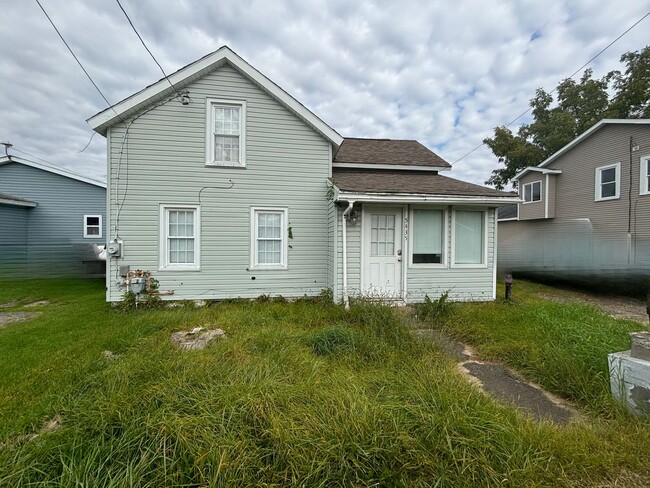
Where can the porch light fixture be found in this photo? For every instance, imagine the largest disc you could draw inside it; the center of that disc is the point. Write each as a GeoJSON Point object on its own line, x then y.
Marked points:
{"type": "Point", "coordinates": [354, 217]}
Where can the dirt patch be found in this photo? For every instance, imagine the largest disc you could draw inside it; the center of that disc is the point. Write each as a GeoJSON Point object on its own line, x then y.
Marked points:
{"type": "Point", "coordinates": [196, 338]}
{"type": "Point", "coordinates": [40, 303]}
{"type": "Point", "coordinates": [48, 426]}
{"type": "Point", "coordinates": [615, 306]}
{"type": "Point", "coordinates": [7, 305]}
{"type": "Point", "coordinates": [7, 318]}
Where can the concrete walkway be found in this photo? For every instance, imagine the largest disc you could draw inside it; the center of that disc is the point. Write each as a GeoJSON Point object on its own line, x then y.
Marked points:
{"type": "Point", "coordinates": [501, 382]}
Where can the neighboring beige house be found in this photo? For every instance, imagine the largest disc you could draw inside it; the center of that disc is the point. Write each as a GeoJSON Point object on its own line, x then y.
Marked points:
{"type": "Point", "coordinates": [585, 211]}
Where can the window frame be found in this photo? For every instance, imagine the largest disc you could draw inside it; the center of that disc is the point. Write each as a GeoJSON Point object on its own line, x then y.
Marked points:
{"type": "Point", "coordinates": [92, 236]}
{"type": "Point", "coordinates": [164, 264]}
{"type": "Point", "coordinates": [445, 238]}
{"type": "Point", "coordinates": [484, 262]}
{"type": "Point", "coordinates": [530, 185]}
{"type": "Point", "coordinates": [211, 105]}
{"type": "Point", "coordinates": [598, 185]}
{"type": "Point", "coordinates": [644, 175]}
{"type": "Point", "coordinates": [254, 264]}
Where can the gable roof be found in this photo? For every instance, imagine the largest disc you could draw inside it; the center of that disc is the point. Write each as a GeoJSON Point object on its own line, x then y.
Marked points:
{"type": "Point", "coordinates": [414, 184]}
{"type": "Point", "coordinates": [51, 169]}
{"type": "Point", "coordinates": [592, 130]}
{"type": "Point", "coordinates": [7, 199]}
{"type": "Point", "coordinates": [198, 69]}
{"type": "Point", "coordinates": [387, 154]}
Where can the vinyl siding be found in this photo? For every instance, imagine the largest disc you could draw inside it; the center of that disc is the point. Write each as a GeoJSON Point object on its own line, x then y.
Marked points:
{"type": "Point", "coordinates": [13, 240]}
{"type": "Point", "coordinates": [587, 237]}
{"type": "Point", "coordinates": [54, 229]}
{"type": "Point", "coordinates": [462, 284]}
{"type": "Point", "coordinates": [163, 162]}
{"type": "Point", "coordinates": [532, 210]}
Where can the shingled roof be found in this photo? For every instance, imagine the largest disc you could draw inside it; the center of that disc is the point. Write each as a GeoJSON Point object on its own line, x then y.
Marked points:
{"type": "Point", "coordinates": [355, 151]}
{"type": "Point", "coordinates": [409, 182]}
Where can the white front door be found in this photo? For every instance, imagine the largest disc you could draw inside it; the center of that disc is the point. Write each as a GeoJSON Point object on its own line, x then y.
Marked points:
{"type": "Point", "coordinates": [382, 252]}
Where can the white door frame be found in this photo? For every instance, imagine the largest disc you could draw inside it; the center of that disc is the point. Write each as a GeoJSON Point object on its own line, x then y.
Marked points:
{"type": "Point", "coordinates": [365, 209]}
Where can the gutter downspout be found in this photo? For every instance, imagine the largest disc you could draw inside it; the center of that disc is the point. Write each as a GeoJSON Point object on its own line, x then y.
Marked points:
{"type": "Point", "coordinates": [346, 299]}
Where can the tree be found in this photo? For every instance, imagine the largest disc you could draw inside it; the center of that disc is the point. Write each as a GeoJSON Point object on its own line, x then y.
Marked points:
{"type": "Point", "coordinates": [579, 106]}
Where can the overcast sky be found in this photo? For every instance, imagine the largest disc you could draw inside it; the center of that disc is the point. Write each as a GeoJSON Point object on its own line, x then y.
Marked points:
{"type": "Point", "coordinates": [442, 72]}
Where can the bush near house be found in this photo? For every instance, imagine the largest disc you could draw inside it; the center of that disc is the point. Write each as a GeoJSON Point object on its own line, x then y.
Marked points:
{"type": "Point", "coordinates": [368, 406]}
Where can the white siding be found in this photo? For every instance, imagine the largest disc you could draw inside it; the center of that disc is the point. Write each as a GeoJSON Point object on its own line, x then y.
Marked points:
{"type": "Point", "coordinates": [163, 162]}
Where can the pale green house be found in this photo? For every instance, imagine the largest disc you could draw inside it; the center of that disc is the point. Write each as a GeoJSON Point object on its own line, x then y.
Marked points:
{"type": "Point", "coordinates": [222, 185]}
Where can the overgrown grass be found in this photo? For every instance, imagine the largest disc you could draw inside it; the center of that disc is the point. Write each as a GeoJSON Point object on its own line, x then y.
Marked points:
{"type": "Point", "coordinates": [563, 346]}
{"type": "Point", "coordinates": [262, 407]}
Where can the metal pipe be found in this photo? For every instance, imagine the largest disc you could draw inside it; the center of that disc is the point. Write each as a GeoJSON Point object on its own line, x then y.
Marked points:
{"type": "Point", "coordinates": [344, 228]}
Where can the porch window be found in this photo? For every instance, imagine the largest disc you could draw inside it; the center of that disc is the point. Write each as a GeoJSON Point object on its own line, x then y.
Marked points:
{"type": "Point", "coordinates": [428, 236]}
{"type": "Point", "coordinates": [469, 237]}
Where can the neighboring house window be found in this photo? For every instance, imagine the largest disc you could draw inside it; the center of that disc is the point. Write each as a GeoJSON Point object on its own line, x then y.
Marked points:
{"type": "Point", "coordinates": [469, 237]}
{"type": "Point", "coordinates": [608, 182]}
{"type": "Point", "coordinates": [428, 236]}
{"type": "Point", "coordinates": [93, 226]}
{"type": "Point", "coordinates": [226, 129]}
{"type": "Point", "coordinates": [179, 236]}
{"type": "Point", "coordinates": [645, 175]}
{"type": "Point", "coordinates": [269, 238]}
{"type": "Point", "coordinates": [533, 192]}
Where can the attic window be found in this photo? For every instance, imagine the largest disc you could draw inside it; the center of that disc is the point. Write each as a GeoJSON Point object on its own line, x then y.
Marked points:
{"type": "Point", "coordinates": [225, 133]}
{"type": "Point", "coordinates": [533, 192]}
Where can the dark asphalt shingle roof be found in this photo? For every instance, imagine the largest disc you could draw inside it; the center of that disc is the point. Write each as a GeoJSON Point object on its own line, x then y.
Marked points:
{"type": "Point", "coordinates": [415, 182]}
{"type": "Point", "coordinates": [388, 151]}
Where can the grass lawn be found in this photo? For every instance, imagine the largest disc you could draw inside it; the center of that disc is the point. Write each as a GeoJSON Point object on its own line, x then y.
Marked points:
{"type": "Point", "coordinates": [303, 393]}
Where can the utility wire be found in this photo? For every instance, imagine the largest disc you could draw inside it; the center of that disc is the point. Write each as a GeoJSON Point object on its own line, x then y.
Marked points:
{"type": "Point", "coordinates": [145, 46]}
{"type": "Point", "coordinates": [40, 159]}
{"type": "Point", "coordinates": [74, 56]}
{"type": "Point", "coordinates": [555, 89]}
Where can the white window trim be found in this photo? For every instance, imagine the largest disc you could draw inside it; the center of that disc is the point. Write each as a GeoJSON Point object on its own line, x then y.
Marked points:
{"type": "Point", "coordinates": [597, 193]}
{"type": "Point", "coordinates": [163, 263]}
{"type": "Point", "coordinates": [285, 237]}
{"type": "Point", "coordinates": [211, 103]}
{"type": "Point", "coordinates": [92, 236]}
{"type": "Point", "coordinates": [523, 192]}
{"type": "Point", "coordinates": [483, 264]}
{"type": "Point", "coordinates": [445, 239]}
{"type": "Point", "coordinates": [644, 188]}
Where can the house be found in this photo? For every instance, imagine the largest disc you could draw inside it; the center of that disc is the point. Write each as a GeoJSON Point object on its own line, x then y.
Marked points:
{"type": "Point", "coordinates": [222, 185]}
{"type": "Point", "coordinates": [585, 211]}
{"type": "Point", "coordinates": [50, 218]}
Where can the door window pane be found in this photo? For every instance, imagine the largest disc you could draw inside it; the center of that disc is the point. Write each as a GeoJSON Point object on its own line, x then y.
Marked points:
{"type": "Point", "coordinates": [382, 234]}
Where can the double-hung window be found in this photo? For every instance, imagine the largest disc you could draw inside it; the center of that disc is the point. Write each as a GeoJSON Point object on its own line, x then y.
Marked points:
{"type": "Point", "coordinates": [93, 226]}
{"type": "Point", "coordinates": [428, 236]}
{"type": "Point", "coordinates": [645, 175]}
{"type": "Point", "coordinates": [269, 238]}
{"type": "Point", "coordinates": [608, 182]}
{"type": "Point", "coordinates": [226, 129]}
{"type": "Point", "coordinates": [180, 237]}
{"type": "Point", "coordinates": [469, 238]}
{"type": "Point", "coordinates": [533, 192]}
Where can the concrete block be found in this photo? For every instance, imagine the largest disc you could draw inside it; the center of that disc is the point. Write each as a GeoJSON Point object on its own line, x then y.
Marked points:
{"type": "Point", "coordinates": [640, 345]}
{"type": "Point", "coordinates": [629, 379]}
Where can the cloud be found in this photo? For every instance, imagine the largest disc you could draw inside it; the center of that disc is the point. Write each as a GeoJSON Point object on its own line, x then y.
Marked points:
{"type": "Point", "coordinates": [443, 73]}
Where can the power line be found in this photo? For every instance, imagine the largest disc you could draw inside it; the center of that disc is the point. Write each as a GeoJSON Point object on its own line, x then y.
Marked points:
{"type": "Point", "coordinates": [145, 46]}
{"type": "Point", "coordinates": [555, 89]}
{"type": "Point", "coordinates": [73, 55]}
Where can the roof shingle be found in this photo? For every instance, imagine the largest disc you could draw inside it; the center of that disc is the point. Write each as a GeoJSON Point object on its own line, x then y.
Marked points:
{"type": "Point", "coordinates": [388, 151]}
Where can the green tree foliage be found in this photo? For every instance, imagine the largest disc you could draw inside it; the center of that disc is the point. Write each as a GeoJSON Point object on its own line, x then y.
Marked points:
{"type": "Point", "coordinates": [578, 106]}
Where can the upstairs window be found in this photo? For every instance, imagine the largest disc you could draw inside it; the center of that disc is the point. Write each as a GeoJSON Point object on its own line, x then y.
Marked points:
{"type": "Point", "coordinates": [93, 226]}
{"type": "Point", "coordinates": [533, 192]}
{"type": "Point", "coordinates": [226, 133]}
{"type": "Point", "coordinates": [428, 236]}
{"type": "Point", "coordinates": [645, 175]}
{"type": "Point", "coordinates": [269, 238]}
{"type": "Point", "coordinates": [608, 182]}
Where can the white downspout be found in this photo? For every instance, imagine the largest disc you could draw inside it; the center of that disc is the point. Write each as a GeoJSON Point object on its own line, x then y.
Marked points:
{"type": "Point", "coordinates": [346, 299]}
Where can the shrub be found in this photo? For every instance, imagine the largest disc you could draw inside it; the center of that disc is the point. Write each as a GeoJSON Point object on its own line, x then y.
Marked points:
{"type": "Point", "coordinates": [436, 312]}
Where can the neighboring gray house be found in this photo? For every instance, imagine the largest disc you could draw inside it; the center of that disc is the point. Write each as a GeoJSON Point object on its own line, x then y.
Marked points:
{"type": "Point", "coordinates": [585, 213]}
{"type": "Point", "coordinates": [49, 220]}
{"type": "Point", "coordinates": [223, 186]}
